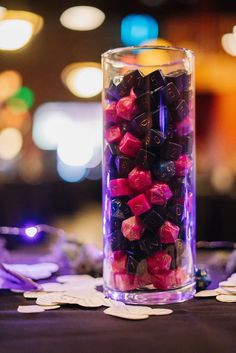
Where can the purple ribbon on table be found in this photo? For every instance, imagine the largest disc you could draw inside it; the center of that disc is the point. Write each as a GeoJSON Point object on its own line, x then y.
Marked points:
{"type": "Point", "coordinates": [10, 279]}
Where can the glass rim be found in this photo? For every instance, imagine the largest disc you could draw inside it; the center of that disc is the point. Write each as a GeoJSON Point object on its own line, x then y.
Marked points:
{"type": "Point", "coordinates": [107, 54]}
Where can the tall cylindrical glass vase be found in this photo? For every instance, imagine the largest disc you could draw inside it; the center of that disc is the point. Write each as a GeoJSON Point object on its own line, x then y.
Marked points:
{"type": "Point", "coordinates": [149, 174]}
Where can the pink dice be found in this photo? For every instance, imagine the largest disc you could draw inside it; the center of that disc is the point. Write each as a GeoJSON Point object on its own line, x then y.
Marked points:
{"type": "Point", "coordinates": [119, 187]}
{"type": "Point", "coordinates": [132, 228]}
{"type": "Point", "coordinates": [139, 180]}
{"type": "Point", "coordinates": [126, 108]}
{"type": "Point", "coordinates": [110, 113]}
{"type": "Point", "coordinates": [125, 282]}
{"type": "Point", "coordinates": [118, 262]}
{"type": "Point", "coordinates": [139, 204]}
{"type": "Point", "coordinates": [170, 279]}
{"type": "Point", "coordinates": [130, 145]}
{"type": "Point", "coordinates": [159, 262]}
{"type": "Point", "coordinates": [182, 165]}
{"type": "Point", "coordinates": [113, 134]}
{"type": "Point", "coordinates": [168, 232]}
{"type": "Point", "coordinates": [144, 279]}
{"type": "Point", "coordinates": [184, 127]}
{"type": "Point", "coordinates": [159, 194]}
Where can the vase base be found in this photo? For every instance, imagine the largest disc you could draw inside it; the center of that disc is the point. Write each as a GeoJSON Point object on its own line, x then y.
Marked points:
{"type": "Point", "coordinates": [153, 297]}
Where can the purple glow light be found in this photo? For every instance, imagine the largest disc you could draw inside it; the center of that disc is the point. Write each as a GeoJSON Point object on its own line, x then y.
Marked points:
{"type": "Point", "coordinates": [31, 232]}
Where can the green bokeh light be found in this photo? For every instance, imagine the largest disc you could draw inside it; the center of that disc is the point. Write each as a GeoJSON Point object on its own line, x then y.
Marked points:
{"type": "Point", "coordinates": [22, 100]}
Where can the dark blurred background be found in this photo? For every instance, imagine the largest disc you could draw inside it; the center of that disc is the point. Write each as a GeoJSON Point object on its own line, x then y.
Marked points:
{"type": "Point", "coordinates": [46, 178]}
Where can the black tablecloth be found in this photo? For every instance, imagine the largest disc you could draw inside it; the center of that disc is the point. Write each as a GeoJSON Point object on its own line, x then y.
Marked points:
{"type": "Point", "coordinates": [196, 326]}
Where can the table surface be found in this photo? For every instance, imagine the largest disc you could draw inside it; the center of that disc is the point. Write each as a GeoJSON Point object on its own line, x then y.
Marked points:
{"type": "Point", "coordinates": [196, 326]}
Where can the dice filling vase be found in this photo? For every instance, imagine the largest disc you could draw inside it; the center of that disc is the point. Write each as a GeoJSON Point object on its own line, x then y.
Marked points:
{"type": "Point", "coordinates": [149, 175]}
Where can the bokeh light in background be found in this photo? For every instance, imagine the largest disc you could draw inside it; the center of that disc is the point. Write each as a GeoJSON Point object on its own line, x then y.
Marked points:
{"type": "Point", "coordinates": [82, 18]}
{"type": "Point", "coordinates": [2, 12]}
{"type": "Point", "coordinates": [137, 28]}
{"type": "Point", "coordinates": [83, 79]}
{"type": "Point", "coordinates": [11, 142]}
{"type": "Point", "coordinates": [70, 173]}
{"type": "Point", "coordinates": [48, 126]}
{"type": "Point", "coordinates": [14, 34]}
{"type": "Point", "coordinates": [153, 57]}
{"type": "Point", "coordinates": [75, 131]}
{"type": "Point", "coordinates": [21, 101]}
{"type": "Point", "coordinates": [17, 28]}
{"type": "Point", "coordinates": [10, 82]}
{"type": "Point", "coordinates": [228, 41]}
{"type": "Point", "coordinates": [75, 147]}
{"type": "Point", "coordinates": [222, 179]}
{"type": "Point", "coordinates": [31, 168]}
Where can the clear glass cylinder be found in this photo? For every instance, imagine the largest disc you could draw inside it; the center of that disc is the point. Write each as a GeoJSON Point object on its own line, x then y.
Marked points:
{"type": "Point", "coordinates": [149, 174]}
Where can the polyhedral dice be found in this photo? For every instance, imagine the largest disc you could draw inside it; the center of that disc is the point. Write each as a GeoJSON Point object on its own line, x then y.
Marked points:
{"type": "Point", "coordinates": [168, 233]}
{"type": "Point", "coordinates": [187, 144]}
{"type": "Point", "coordinates": [144, 280]}
{"type": "Point", "coordinates": [139, 179]}
{"type": "Point", "coordinates": [141, 124]}
{"type": "Point", "coordinates": [171, 93]}
{"type": "Point", "coordinates": [120, 209]}
{"type": "Point", "coordinates": [187, 96]}
{"type": "Point", "coordinates": [151, 81]}
{"type": "Point", "coordinates": [126, 108]}
{"type": "Point", "coordinates": [124, 166]}
{"type": "Point", "coordinates": [144, 159]}
{"type": "Point", "coordinates": [130, 79]}
{"type": "Point", "coordinates": [164, 171]}
{"type": "Point", "coordinates": [146, 103]}
{"type": "Point", "coordinates": [180, 78]}
{"type": "Point", "coordinates": [130, 145]}
{"type": "Point", "coordinates": [154, 138]}
{"type": "Point", "coordinates": [182, 165]}
{"type": "Point", "coordinates": [203, 279]}
{"type": "Point", "coordinates": [113, 134]}
{"type": "Point", "coordinates": [176, 212]}
{"type": "Point", "coordinates": [110, 113]}
{"type": "Point", "coordinates": [159, 193]}
{"type": "Point", "coordinates": [149, 245]}
{"type": "Point", "coordinates": [170, 279]}
{"type": "Point", "coordinates": [184, 127]}
{"type": "Point", "coordinates": [132, 265]}
{"type": "Point", "coordinates": [118, 261]}
{"type": "Point", "coordinates": [171, 151]}
{"type": "Point", "coordinates": [180, 250]}
{"type": "Point", "coordinates": [179, 110]}
{"type": "Point", "coordinates": [139, 204]}
{"type": "Point", "coordinates": [117, 89]}
{"type": "Point", "coordinates": [119, 187]}
{"type": "Point", "coordinates": [117, 241]}
{"type": "Point", "coordinates": [152, 220]}
{"type": "Point", "coordinates": [115, 223]}
{"type": "Point", "coordinates": [125, 282]}
{"type": "Point", "coordinates": [178, 187]}
{"type": "Point", "coordinates": [143, 276]}
{"type": "Point", "coordinates": [170, 250]}
{"type": "Point", "coordinates": [132, 228]}
{"type": "Point", "coordinates": [156, 79]}
{"type": "Point", "coordinates": [159, 262]}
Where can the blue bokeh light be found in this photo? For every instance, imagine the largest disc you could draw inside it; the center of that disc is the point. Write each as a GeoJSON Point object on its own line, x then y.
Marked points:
{"type": "Point", "coordinates": [69, 173]}
{"type": "Point", "coordinates": [136, 29]}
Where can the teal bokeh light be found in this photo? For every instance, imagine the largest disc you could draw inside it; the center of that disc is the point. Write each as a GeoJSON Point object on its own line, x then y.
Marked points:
{"type": "Point", "coordinates": [136, 29]}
